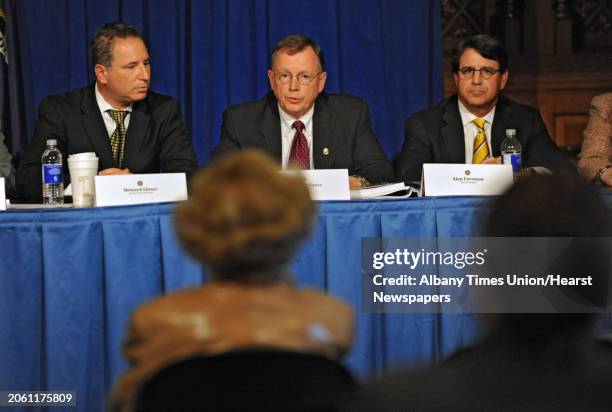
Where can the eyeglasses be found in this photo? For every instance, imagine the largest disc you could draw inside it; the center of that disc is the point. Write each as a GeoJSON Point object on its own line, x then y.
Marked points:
{"type": "Point", "coordinates": [485, 72]}
{"type": "Point", "coordinates": [303, 78]}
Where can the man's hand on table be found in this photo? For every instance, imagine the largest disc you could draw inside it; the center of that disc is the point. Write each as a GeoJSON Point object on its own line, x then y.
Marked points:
{"type": "Point", "coordinates": [492, 161]}
{"type": "Point", "coordinates": [114, 171]}
{"type": "Point", "coordinates": [354, 183]}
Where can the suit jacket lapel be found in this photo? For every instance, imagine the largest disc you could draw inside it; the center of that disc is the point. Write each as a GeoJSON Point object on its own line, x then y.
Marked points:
{"type": "Point", "coordinates": [92, 122]}
{"type": "Point", "coordinates": [500, 124]}
{"type": "Point", "coordinates": [324, 144]}
{"type": "Point", "coordinates": [136, 132]}
{"type": "Point", "coordinates": [452, 132]}
{"type": "Point", "coordinates": [270, 128]}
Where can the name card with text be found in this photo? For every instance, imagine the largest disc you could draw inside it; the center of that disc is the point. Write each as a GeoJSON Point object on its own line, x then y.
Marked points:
{"type": "Point", "coordinates": [121, 190]}
{"type": "Point", "coordinates": [444, 179]}
{"type": "Point", "coordinates": [2, 195]}
{"type": "Point", "coordinates": [325, 184]}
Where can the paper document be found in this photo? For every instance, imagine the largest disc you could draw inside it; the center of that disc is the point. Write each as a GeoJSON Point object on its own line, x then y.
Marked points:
{"type": "Point", "coordinates": [33, 206]}
{"type": "Point", "coordinates": [386, 191]}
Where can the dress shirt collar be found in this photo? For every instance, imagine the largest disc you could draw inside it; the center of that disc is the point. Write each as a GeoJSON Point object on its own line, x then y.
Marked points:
{"type": "Point", "coordinates": [467, 117]}
{"type": "Point", "coordinates": [104, 105]}
{"type": "Point", "coordinates": [288, 120]}
{"type": "Point", "coordinates": [109, 123]}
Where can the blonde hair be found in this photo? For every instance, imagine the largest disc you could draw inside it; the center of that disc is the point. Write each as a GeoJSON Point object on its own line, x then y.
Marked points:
{"type": "Point", "coordinates": [244, 217]}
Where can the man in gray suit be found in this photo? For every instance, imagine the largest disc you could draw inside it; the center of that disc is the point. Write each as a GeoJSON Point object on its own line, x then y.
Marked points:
{"type": "Point", "coordinates": [6, 167]}
{"type": "Point", "coordinates": [303, 127]}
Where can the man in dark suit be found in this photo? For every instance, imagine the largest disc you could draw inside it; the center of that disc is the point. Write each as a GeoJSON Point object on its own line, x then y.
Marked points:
{"type": "Point", "coordinates": [302, 127]}
{"type": "Point", "coordinates": [131, 129]}
{"type": "Point", "coordinates": [469, 127]}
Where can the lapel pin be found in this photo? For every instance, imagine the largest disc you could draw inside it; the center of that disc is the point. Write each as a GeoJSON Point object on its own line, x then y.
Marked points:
{"type": "Point", "coordinates": [325, 151]}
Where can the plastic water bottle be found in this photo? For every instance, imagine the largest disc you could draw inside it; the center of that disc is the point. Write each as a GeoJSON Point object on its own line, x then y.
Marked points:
{"type": "Point", "coordinates": [52, 185]}
{"type": "Point", "coordinates": [511, 151]}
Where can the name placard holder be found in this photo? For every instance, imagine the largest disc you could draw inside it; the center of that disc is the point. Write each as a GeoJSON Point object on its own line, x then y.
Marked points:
{"type": "Point", "coordinates": [325, 184]}
{"type": "Point", "coordinates": [446, 179]}
{"type": "Point", "coordinates": [119, 190]}
{"type": "Point", "coordinates": [2, 195]}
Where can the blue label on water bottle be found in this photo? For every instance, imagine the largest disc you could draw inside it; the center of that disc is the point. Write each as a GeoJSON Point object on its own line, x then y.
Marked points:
{"type": "Point", "coordinates": [52, 174]}
{"type": "Point", "coordinates": [513, 159]}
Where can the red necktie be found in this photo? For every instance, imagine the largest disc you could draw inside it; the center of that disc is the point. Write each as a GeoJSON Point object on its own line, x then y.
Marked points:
{"type": "Point", "coordinates": [299, 156]}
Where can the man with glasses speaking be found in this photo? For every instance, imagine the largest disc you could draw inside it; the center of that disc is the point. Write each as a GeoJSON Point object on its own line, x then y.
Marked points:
{"type": "Point", "coordinates": [470, 126]}
{"type": "Point", "coordinates": [303, 127]}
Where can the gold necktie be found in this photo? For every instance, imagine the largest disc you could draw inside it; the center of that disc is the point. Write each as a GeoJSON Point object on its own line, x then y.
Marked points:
{"type": "Point", "coordinates": [118, 136]}
{"type": "Point", "coordinates": [481, 148]}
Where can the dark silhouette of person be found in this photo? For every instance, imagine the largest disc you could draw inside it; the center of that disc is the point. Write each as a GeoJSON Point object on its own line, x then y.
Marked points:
{"type": "Point", "coordinates": [524, 362]}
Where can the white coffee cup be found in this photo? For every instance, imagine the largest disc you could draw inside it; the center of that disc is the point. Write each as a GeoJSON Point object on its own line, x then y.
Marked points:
{"type": "Point", "coordinates": [83, 156]}
{"type": "Point", "coordinates": [83, 169]}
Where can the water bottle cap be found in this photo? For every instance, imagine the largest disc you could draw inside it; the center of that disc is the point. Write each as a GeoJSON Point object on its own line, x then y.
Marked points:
{"type": "Point", "coordinates": [510, 132]}
{"type": "Point", "coordinates": [51, 142]}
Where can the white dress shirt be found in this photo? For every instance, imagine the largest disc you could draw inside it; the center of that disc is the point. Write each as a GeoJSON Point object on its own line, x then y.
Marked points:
{"type": "Point", "coordinates": [287, 133]}
{"type": "Point", "coordinates": [110, 124]}
{"type": "Point", "coordinates": [470, 130]}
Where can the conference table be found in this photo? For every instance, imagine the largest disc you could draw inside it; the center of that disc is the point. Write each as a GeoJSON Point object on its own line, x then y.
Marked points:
{"type": "Point", "coordinates": [70, 279]}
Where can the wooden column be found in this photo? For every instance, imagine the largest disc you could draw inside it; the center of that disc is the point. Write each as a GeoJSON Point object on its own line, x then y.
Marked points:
{"type": "Point", "coordinates": [510, 15]}
{"type": "Point", "coordinates": [564, 42]}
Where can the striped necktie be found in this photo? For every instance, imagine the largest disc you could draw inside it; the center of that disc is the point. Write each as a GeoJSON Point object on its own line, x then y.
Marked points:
{"type": "Point", "coordinates": [481, 148]}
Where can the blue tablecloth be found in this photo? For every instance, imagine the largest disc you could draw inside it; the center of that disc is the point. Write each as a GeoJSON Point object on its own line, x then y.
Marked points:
{"type": "Point", "coordinates": [69, 280]}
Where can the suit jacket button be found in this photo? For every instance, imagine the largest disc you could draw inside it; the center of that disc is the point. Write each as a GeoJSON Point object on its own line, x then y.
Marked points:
{"type": "Point", "coordinates": [325, 151]}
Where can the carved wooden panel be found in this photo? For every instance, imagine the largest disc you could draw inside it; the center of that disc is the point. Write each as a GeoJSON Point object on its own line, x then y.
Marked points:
{"type": "Point", "coordinates": [569, 128]}
{"type": "Point", "coordinates": [593, 19]}
{"type": "Point", "coordinates": [565, 113]}
{"type": "Point", "coordinates": [560, 54]}
{"type": "Point", "coordinates": [461, 18]}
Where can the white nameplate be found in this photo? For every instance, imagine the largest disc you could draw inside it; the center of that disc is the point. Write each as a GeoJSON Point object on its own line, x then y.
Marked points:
{"type": "Point", "coordinates": [120, 190]}
{"type": "Point", "coordinates": [325, 184]}
{"type": "Point", "coordinates": [444, 179]}
{"type": "Point", "coordinates": [2, 195]}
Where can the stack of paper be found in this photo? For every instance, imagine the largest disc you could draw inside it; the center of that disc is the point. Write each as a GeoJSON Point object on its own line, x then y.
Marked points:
{"type": "Point", "coordinates": [386, 191]}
